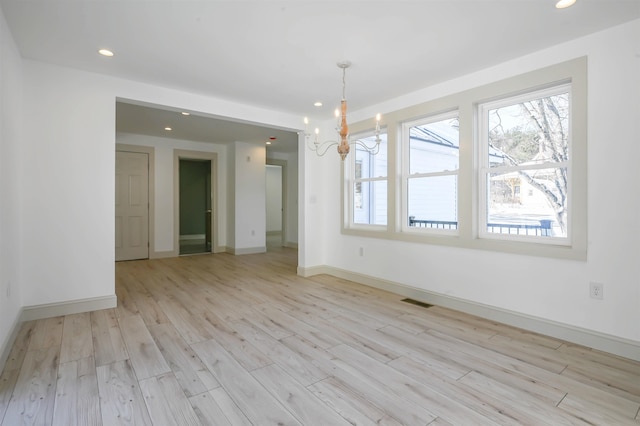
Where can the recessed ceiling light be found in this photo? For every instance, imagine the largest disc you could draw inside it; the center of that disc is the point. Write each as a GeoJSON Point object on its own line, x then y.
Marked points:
{"type": "Point", "coordinates": [317, 104]}
{"type": "Point", "coordinates": [268, 143]}
{"type": "Point", "coordinates": [561, 4]}
{"type": "Point", "coordinates": [168, 129]}
{"type": "Point", "coordinates": [105, 52]}
{"type": "Point", "coordinates": [185, 113]}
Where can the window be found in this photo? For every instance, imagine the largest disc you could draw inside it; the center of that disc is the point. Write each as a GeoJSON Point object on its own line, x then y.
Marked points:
{"type": "Point", "coordinates": [369, 182]}
{"type": "Point", "coordinates": [430, 173]}
{"type": "Point", "coordinates": [525, 166]}
{"type": "Point", "coordinates": [500, 167]}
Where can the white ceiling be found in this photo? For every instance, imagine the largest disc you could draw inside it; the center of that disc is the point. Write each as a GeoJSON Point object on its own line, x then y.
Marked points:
{"type": "Point", "coordinates": [151, 120]}
{"type": "Point", "coordinates": [282, 54]}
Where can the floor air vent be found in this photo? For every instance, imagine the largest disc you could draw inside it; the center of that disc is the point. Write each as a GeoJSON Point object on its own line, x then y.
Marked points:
{"type": "Point", "coordinates": [417, 303]}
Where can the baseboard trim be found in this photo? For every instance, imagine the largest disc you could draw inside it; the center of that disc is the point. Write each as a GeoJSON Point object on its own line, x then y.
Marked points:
{"type": "Point", "coordinates": [593, 339]}
{"type": "Point", "coordinates": [162, 254]}
{"type": "Point", "coordinates": [7, 345]}
{"type": "Point", "coordinates": [316, 270]}
{"type": "Point", "coordinates": [48, 310]}
{"type": "Point", "coordinates": [291, 244]}
{"type": "Point", "coordinates": [248, 250]}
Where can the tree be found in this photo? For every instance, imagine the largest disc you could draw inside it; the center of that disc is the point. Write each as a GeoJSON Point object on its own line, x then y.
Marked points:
{"type": "Point", "coordinates": [533, 133]}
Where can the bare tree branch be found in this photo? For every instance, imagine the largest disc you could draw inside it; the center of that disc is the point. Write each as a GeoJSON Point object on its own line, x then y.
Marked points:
{"type": "Point", "coordinates": [549, 120]}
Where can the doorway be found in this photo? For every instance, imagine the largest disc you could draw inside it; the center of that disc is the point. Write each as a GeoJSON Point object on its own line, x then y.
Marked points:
{"type": "Point", "coordinates": [203, 237]}
{"type": "Point", "coordinates": [195, 206]}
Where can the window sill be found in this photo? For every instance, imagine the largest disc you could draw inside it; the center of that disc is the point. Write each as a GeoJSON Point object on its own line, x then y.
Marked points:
{"type": "Point", "coordinates": [537, 249]}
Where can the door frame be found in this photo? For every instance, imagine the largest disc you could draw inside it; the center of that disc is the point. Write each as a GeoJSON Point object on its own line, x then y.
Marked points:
{"type": "Point", "coordinates": [285, 205]}
{"type": "Point", "coordinates": [150, 151]}
{"type": "Point", "coordinates": [212, 157]}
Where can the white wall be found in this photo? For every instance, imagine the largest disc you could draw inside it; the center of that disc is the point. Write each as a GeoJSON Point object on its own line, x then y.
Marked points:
{"type": "Point", "coordinates": [274, 194]}
{"type": "Point", "coordinates": [319, 190]}
{"type": "Point", "coordinates": [10, 179]}
{"type": "Point", "coordinates": [291, 196]}
{"type": "Point", "coordinates": [68, 209]}
{"type": "Point", "coordinates": [163, 188]}
{"type": "Point", "coordinates": [545, 288]}
{"type": "Point", "coordinates": [250, 218]}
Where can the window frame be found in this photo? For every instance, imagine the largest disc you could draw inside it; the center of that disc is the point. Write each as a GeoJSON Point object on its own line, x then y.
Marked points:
{"type": "Point", "coordinates": [351, 180]}
{"type": "Point", "coordinates": [405, 172]}
{"type": "Point", "coordinates": [484, 169]}
{"type": "Point", "coordinates": [573, 71]}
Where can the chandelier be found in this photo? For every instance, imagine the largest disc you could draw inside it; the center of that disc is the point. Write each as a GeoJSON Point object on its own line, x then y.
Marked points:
{"type": "Point", "coordinates": [344, 146]}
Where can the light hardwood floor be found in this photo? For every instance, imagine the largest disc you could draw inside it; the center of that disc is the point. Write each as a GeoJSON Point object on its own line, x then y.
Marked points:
{"type": "Point", "coordinates": [241, 340]}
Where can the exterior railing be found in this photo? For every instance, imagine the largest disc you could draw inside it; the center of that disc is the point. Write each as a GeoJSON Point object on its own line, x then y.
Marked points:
{"type": "Point", "coordinates": [436, 224]}
{"type": "Point", "coordinates": [543, 229]}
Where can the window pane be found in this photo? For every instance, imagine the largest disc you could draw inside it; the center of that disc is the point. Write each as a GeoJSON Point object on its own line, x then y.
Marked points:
{"type": "Point", "coordinates": [528, 202]}
{"type": "Point", "coordinates": [370, 203]}
{"type": "Point", "coordinates": [432, 202]}
{"type": "Point", "coordinates": [370, 165]}
{"type": "Point", "coordinates": [531, 132]}
{"type": "Point", "coordinates": [434, 147]}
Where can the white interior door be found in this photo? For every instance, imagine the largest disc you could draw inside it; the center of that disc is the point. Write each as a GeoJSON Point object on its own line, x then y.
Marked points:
{"type": "Point", "coordinates": [132, 205]}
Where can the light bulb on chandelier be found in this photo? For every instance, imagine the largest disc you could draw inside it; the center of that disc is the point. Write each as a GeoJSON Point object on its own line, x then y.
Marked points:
{"type": "Point", "coordinates": [344, 145]}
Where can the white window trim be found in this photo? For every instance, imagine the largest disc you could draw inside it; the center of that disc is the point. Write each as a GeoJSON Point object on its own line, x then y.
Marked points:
{"type": "Point", "coordinates": [485, 169]}
{"type": "Point", "coordinates": [405, 175]}
{"type": "Point", "coordinates": [466, 102]}
{"type": "Point", "coordinates": [350, 181]}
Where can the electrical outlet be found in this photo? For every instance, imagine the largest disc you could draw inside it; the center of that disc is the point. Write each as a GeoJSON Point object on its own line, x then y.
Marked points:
{"type": "Point", "coordinates": [596, 290]}
{"type": "Point", "coordinates": [361, 251]}
{"type": "Point", "coordinates": [8, 289]}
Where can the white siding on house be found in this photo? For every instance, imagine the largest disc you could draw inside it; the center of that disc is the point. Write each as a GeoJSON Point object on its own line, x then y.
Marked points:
{"type": "Point", "coordinates": [433, 148]}
{"type": "Point", "coordinates": [433, 198]}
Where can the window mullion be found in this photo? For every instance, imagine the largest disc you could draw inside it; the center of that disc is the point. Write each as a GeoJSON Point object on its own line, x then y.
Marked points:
{"type": "Point", "coordinates": [375, 179]}
{"type": "Point", "coordinates": [433, 174]}
{"type": "Point", "coordinates": [540, 166]}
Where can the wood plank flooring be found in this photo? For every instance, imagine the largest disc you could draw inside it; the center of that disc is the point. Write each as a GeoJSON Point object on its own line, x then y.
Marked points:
{"type": "Point", "coordinates": [241, 340]}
